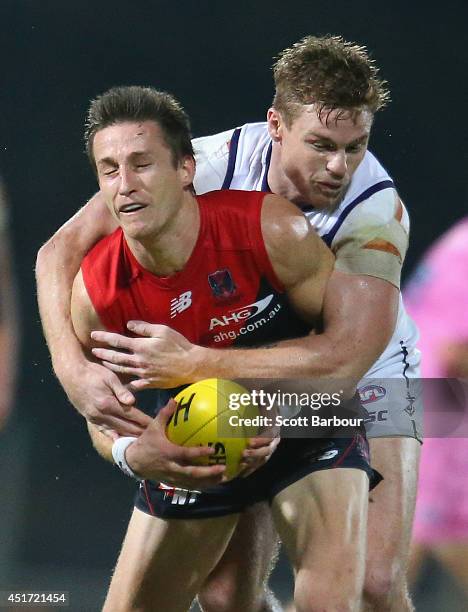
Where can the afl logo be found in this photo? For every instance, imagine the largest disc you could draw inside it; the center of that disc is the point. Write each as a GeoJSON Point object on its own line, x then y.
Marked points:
{"type": "Point", "coordinates": [371, 393]}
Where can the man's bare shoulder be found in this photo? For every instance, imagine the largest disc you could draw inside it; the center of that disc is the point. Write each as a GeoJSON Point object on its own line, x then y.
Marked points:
{"type": "Point", "coordinates": [293, 246]}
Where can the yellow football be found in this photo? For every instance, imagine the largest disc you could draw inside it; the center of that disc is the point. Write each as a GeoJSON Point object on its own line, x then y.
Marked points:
{"type": "Point", "coordinates": [203, 418]}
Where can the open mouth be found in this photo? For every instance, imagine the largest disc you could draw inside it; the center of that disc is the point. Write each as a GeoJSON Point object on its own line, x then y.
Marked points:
{"type": "Point", "coordinates": [130, 208]}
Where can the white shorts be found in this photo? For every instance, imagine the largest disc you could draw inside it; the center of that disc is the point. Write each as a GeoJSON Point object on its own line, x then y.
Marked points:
{"type": "Point", "coordinates": [391, 392]}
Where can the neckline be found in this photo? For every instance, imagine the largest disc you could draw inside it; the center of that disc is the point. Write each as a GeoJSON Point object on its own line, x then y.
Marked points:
{"type": "Point", "coordinates": [178, 278]}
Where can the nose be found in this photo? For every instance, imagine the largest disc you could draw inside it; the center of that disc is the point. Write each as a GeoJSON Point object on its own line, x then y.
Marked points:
{"type": "Point", "coordinates": [337, 163]}
{"type": "Point", "coordinates": [127, 184]}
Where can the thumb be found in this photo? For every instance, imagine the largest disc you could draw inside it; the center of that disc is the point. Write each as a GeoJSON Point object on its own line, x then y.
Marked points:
{"type": "Point", "coordinates": [124, 395]}
{"type": "Point", "coordinates": [166, 413]}
{"type": "Point", "coordinates": [141, 328]}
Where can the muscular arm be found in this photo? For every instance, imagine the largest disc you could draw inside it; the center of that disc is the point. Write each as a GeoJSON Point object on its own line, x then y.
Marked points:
{"type": "Point", "coordinates": [103, 399]}
{"type": "Point", "coordinates": [359, 313]}
{"type": "Point", "coordinates": [58, 262]}
{"type": "Point", "coordinates": [359, 318]}
{"type": "Point", "coordinates": [152, 455]}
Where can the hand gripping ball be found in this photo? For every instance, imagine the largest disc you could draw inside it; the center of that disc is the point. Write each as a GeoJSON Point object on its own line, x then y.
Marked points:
{"type": "Point", "coordinates": [203, 418]}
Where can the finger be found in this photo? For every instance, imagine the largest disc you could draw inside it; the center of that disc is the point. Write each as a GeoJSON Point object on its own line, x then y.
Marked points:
{"type": "Point", "coordinates": [165, 414]}
{"type": "Point", "coordinates": [121, 369]}
{"type": "Point", "coordinates": [121, 426]}
{"type": "Point", "coordinates": [203, 471]}
{"type": "Point", "coordinates": [126, 359]}
{"type": "Point", "coordinates": [257, 453]}
{"type": "Point", "coordinates": [121, 392]}
{"type": "Point", "coordinates": [194, 476]}
{"type": "Point", "coordinates": [263, 441]}
{"type": "Point", "coordinates": [200, 477]}
{"type": "Point", "coordinates": [135, 415]}
{"type": "Point", "coordinates": [187, 454]}
{"type": "Point", "coordinates": [259, 442]}
{"type": "Point", "coordinates": [142, 328]}
{"type": "Point", "coordinates": [115, 340]}
{"type": "Point", "coordinates": [141, 383]}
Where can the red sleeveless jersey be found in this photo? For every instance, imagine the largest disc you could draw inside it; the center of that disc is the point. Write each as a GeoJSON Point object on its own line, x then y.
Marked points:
{"type": "Point", "coordinates": [227, 293]}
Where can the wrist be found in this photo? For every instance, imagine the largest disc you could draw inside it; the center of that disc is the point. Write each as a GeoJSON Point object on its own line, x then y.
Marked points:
{"type": "Point", "coordinates": [205, 363]}
{"type": "Point", "coordinates": [132, 458]}
{"type": "Point", "coordinates": [122, 455]}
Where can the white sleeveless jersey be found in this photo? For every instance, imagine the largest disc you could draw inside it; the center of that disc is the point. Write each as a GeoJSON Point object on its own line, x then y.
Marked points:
{"type": "Point", "coordinates": [240, 158]}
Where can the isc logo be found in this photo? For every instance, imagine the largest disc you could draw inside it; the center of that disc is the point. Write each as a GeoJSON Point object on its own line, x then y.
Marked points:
{"type": "Point", "coordinates": [376, 416]}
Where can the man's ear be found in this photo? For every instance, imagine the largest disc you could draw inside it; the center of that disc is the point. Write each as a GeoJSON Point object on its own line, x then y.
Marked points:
{"type": "Point", "coordinates": [187, 170]}
{"type": "Point", "coordinates": [275, 124]}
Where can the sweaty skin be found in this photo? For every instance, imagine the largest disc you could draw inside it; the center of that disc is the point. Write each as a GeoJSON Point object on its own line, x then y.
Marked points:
{"type": "Point", "coordinates": [328, 156]}
{"type": "Point", "coordinates": [346, 351]}
{"type": "Point", "coordinates": [155, 207]}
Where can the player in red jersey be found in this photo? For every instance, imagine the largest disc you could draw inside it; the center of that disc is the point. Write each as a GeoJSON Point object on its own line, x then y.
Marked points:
{"type": "Point", "coordinates": [177, 257]}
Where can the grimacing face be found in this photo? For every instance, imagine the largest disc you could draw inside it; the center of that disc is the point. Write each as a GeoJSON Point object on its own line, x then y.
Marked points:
{"type": "Point", "coordinates": [319, 154]}
{"type": "Point", "coordinates": [142, 188]}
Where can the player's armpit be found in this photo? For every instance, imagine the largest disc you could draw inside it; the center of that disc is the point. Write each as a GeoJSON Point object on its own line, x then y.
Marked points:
{"type": "Point", "coordinates": [300, 259]}
{"type": "Point", "coordinates": [84, 316]}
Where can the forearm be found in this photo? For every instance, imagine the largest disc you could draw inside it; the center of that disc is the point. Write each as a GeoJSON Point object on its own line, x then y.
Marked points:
{"type": "Point", "coordinates": [101, 442]}
{"type": "Point", "coordinates": [56, 267]}
{"type": "Point", "coordinates": [58, 262]}
{"type": "Point", "coordinates": [352, 340]}
{"type": "Point", "coordinates": [311, 357]}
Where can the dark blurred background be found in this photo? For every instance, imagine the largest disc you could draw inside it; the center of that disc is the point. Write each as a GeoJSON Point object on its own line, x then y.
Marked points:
{"type": "Point", "coordinates": [64, 510]}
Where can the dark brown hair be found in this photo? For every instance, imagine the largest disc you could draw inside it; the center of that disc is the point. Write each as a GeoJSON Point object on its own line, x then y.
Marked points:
{"type": "Point", "coordinates": [135, 103]}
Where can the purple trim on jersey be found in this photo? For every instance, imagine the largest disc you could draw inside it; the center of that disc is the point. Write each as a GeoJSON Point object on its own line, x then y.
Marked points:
{"type": "Point", "coordinates": [328, 238]}
{"type": "Point", "coordinates": [232, 158]}
{"type": "Point", "coordinates": [265, 185]}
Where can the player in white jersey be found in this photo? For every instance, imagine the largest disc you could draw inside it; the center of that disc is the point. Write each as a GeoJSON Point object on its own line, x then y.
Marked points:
{"type": "Point", "coordinates": [241, 158]}
{"type": "Point", "coordinates": [313, 151]}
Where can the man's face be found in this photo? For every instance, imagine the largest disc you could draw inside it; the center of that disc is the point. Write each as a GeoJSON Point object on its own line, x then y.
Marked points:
{"type": "Point", "coordinates": [319, 154]}
{"type": "Point", "coordinates": [142, 188]}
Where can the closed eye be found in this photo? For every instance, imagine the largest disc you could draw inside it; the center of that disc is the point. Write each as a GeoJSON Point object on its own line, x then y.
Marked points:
{"type": "Point", "coordinates": [322, 146]}
{"type": "Point", "coordinates": [355, 148]}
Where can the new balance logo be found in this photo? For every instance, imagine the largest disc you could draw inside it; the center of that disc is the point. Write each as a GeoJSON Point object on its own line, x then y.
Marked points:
{"type": "Point", "coordinates": [181, 303]}
{"type": "Point", "coordinates": [328, 455]}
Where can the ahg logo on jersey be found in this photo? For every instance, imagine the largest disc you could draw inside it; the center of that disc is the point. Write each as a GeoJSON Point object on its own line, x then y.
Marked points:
{"type": "Point", "coordinates": [181, 303]}
{"type": "Point", "coordinates": [241, 314]}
